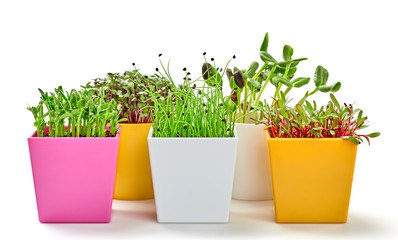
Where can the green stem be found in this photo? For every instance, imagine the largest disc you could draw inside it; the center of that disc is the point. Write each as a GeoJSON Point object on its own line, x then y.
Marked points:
{"type": "Point", "coordinates": [277, 95]}
{"type": "Point", "coordinates": [265, 84]}
{"type": "Point", "coordinates": [244, 103]}
{"type": "Point", "coordinates": [287, 90]}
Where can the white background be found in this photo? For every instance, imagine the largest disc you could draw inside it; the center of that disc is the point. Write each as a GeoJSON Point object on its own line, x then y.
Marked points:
{"type": "Point", "coordinates": [49, 43]}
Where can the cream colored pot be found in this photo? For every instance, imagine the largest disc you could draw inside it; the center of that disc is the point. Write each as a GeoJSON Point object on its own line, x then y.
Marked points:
{"type": "Point", "coordinates": [252, 180]}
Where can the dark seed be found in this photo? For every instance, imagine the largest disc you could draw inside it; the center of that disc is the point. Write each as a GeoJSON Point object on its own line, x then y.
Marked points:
{"type": "Point", "coordinates": [158, 130]}
{"type": "Point", "coordinates": [220, 69]}
{"type": "Point", "coordinates": [188, 73]}
{"type": "Point", "coordinates": [157, 69]}
{"type": "Point", "coordinates": [182, 114]}
{"type": "Point", "coordinates": [234, 97]}
{"type": "Point", "coordinates": [184, 69]}
{"type": "Point", "coordinates": [233, 56]}
{"type": "Point", "coordinates": [160, 54]}
{"type": "Point", "coordinates": [206, 71]}
{"type": "Point", "coordinates": [200, 92]}
{"type": "Point", "coordinates": [133, 64]}
{"type": "Point", "coordinates": [145, 76]}
{"type": "Point", "coordinates": [229, 74]}
{"type": "Point", "coordinates": [185, 127]}
{"type": "Point", "coordinates": [221, 104]}
{"type": "Point", "coordinates": [262, 75]}
{"type": "Point", "coordinates": [204, 53]}
{"type": "Point", "coordinates": [212, 59]}
{"type": "Point", "coordinates": [235, 88]}
{"type": "Point", "coordinates": [239, 79]}
{"type": "Point", "coordinates": [204, 104]}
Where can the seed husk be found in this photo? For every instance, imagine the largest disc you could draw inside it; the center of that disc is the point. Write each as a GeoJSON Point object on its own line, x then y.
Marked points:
{"type": "Point", "coordinates": [239, 79]}
{"type": "Point", "coordinates": [206, 71]}
{"type": "Point", "coordinates": [234, 97]}
{"type": "Point", "coordinates": [229, 74]}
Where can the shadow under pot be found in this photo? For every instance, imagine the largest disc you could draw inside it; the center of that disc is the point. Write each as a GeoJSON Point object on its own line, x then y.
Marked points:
{"type": "Point", "coordinates": [192, 178]}
{"type": "Point", "coordinates": [73, 177]}
{"type": "Point", "coordinates": [311, 179]}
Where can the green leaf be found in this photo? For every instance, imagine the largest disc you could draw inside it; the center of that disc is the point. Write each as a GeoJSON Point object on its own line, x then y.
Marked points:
{"type": "Point", "coordinates": [336, 87]}
{"type": "Point", "coordinates": [360, 114]}
{"type": "Point", "coordinates": [287, 53]}
{"type": "Point", "coordinates": [325, 88]}
{"type": "Point", "coordinates": [331, 88]}
{"type": "Point", "coordinates": [264, 45]}
{"type": "Point", "coordinates": [266, 57]}
{"type": "Point", "coordinates": [274, 81]}
{"type": "Point", "coordinates": [283, 81]}
{"type": "Point", "coordinates": [296, 61]}
{"type": "Point", "coordinates": [281, 70]}
{"type": "Point", "coordinates": [299, 82]}
{"type": "Point", "coordinates": [321, 76]}
{"type": "Point", "coordinates": [251, 71]}
{"type": "Point", "coordinates": [351, 139]}
{"type": "Point", "coordinates": [253, 84]}
{"type": "Point", "coordinates": [334, 100]}
{"type": "Point", "coordinates": [283, 98]}
{"type": "Point", "coordinates": [373, 135]}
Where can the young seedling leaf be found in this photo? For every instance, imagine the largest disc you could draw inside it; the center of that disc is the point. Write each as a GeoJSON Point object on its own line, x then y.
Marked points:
{"type": "Point", "coordinates": [266, 57]}
{"type": "Point", "coordinates": [264, 45]}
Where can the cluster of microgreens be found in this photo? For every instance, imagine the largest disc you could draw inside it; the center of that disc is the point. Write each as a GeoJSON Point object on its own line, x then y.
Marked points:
{"type": "Point", "coordinates": [198, 108]}
{"type": "Point", "coordinates": [195, 108]}
{"type": "Point", "coordinates": [127, 90]}
{"type": "Point", "coordinates": [302, 121]}
{"type": "Point", "coordinates": [307, 121]}
{"type": "Point", "coordinates": [86, 115]}
{"type": "Point", "coordinates": [253, 81]}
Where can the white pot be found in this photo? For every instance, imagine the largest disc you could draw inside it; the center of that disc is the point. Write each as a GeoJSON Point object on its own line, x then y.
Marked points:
{"type": "Point", "coordinates": [252, 179]}
{"type": "Point", "coordinates": [192, 178]}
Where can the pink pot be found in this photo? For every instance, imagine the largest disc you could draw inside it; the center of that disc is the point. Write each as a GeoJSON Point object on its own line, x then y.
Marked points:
{"type": "Point", "coordinates": [74, 178]}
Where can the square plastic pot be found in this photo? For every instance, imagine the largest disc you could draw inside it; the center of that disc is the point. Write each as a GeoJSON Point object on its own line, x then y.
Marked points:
{"type": "Point", "coordinates": [252, 179]}
{"type": "Point", "coordinates": [73, 178]}
{"type": "Point", "coordinates": [133, 170]}
{"type": "Point", "coordinates": [311, 179]}
{"type": "Point", "coordinates": [192, 178]}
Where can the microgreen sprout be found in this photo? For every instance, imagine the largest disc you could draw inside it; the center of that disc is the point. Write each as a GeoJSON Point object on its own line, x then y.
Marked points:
{"type": "Point", "coordinates": [305, 120]}
{"type": "Point", "coordinates": [127, 90]}
{"type": "Point", "coordinates": [249, 84]}
{"type": "Point", "coordinates": [195, 108]}
{"type": "Point", "coordinates": [84, 114]}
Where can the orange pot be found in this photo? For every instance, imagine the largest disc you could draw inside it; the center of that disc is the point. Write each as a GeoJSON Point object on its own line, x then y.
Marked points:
{"type": "Point", "coordinates": [133, 171]}
{"type": "Point", "coordinates": [311, 179]}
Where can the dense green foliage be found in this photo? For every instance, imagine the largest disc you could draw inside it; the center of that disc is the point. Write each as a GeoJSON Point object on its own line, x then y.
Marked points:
{"type": "Point", "coordinates": [85, 114]}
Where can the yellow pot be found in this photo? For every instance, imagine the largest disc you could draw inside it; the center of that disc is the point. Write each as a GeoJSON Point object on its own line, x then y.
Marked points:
{"type": "Point", "coordinates": [133, 170]}
{"type": "Point", "coordinates": [311, 179]}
